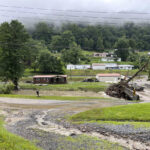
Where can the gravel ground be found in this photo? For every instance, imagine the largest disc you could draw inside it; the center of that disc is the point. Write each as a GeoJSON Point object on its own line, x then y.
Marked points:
{"type": "Point", "coordinates": [52, 141]}
{"type": "Point", "coordinates": [124, 130]}
{"type": "Point", "coordinates": [48, 128]}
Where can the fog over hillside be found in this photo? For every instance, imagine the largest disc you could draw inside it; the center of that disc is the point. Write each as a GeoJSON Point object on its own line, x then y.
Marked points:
{"type": "Point", "coordinates": [82, 11]}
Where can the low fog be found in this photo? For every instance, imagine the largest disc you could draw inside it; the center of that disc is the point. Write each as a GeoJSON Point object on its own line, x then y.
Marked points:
{"type": "Point", "coordinates": [82, 11]}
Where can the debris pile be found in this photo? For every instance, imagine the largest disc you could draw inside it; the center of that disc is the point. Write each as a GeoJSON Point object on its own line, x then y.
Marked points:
{"type": "Point", "coordinates": [124, 90]}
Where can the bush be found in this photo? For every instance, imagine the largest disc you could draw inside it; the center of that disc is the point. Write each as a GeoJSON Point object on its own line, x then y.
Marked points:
{"type": "Point", "coordinates": [6, 88]}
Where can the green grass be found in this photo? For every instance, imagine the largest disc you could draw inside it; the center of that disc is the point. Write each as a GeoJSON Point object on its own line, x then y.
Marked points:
{"type": "Point", "coordinates": [9, 141]}
{"type": "Point", "coordinates": [133, 123]}
{"type": "Point", "coordinates": [77, 98]}
{"type": "Point", "coordinates": [94, 72]}
{"type": "Point", "coordinates": [132, 112]}
{"type": "Point", "coordinates": [74, 86]}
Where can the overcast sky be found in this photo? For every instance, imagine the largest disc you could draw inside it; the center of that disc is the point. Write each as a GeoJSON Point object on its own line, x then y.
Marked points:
{"type": "Point", "coordinates": [9, 12]}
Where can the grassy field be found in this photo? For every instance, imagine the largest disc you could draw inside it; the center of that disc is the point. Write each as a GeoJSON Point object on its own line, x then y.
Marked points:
{"type": "Point", "coordinates": [77, 98]}
{"type": "Point", "coordinates": [94, 72]}
{"type": "Point", "coordinates": [74, 86]}
{"type": "Point", "coordinates": [29, 72]}
{"type": "Point", "coordinates": [10, 141]}
{"type": "Point", "coordinates": [132, 112]}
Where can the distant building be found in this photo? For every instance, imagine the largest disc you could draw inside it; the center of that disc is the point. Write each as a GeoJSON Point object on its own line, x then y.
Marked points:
{"type": "Point", "coordinates": [125, 67]}
{"type": "Point", "coordinates": [112, 78]}
{"type": "Point", "coordinates": [111, 66]}
{"type": "Point", "coordinates": [97, 66]}
{"type": "Point", "coordinates": [50, 79]}
{"type": "Point", "coordinates": [110, 59]}
{"type": "Point", "coordinates": [78, 67]}
{"type": "Point", "coordinates": [100, 54]}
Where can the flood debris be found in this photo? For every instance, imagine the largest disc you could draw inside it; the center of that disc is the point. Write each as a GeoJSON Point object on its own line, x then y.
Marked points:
{"type": "Point", "coordinates": [124, 90]}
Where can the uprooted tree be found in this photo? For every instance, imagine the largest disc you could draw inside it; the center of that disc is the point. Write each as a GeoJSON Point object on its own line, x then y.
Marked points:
{"type": "Point", "coordinates": [12, 39]}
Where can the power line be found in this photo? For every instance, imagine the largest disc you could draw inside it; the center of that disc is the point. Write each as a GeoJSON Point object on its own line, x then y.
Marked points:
{"type": "Point", "coordinates": [73, 16]}
{"type": "Point", "coordinates": [77, 11]}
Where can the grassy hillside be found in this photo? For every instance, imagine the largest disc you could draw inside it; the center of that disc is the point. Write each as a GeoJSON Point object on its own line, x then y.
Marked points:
{"type": "Point", "coordinates": [133, 112]}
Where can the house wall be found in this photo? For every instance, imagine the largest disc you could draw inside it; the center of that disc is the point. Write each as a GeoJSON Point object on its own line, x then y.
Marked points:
{"type": "Point", "coordinates": [72, 67]}
{"type": "Point", "coordinates": [80, 67]}
{"type": "Point", "coordinates": [125, 67]}
{"type": "Point", "coordinates": [50, 80]}
{"type": "Point", "coordinates": [98, 67]}
{"type": "Point", "coordinates": [109, 59]}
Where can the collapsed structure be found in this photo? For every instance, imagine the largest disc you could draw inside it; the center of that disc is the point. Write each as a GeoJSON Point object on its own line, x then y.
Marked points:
{"type": "Point", "coordinates": [123, 89]}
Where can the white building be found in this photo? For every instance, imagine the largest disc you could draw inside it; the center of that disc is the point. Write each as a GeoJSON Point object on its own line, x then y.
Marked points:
{"type": "Point", "coordinates": [111, 66]}
{"type": "Point", "coordinates": [111, 78]}
{"type": "Point", "coordinates": [96, 66]}
{"type": "Point", "coordinates": [110, 59]}
{"type": "Point", "coordinates": [125, 67]}
{"type": "Point", "coordinates": [78, 67]}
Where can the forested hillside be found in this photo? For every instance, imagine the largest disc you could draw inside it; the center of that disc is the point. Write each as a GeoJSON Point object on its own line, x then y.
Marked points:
{"type": "Point", "coordinates": [92, 38]}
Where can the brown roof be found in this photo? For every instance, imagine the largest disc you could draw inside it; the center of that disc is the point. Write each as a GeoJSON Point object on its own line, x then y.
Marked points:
{"type": "Point", "coordinates": [109, 75]}
{"type": "Point", "coordinates": [96, 64]}
{"type": "Point", "coordinates": [48, 76]}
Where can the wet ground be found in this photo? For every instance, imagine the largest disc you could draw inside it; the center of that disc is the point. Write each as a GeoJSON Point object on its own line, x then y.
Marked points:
{"type": "Point", "coordinates": [44, 122]}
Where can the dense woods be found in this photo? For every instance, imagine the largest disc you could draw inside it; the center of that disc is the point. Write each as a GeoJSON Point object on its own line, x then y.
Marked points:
{"type": "Point", "coordinates": [92, 37]}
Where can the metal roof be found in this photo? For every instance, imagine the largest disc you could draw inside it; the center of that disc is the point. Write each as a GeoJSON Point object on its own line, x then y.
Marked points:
{"type": "Point", "coordinates": [48, 76]}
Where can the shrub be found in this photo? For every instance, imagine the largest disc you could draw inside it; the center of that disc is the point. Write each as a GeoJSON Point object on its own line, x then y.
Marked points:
{"type": "Point", "coordinates": [6, 88]}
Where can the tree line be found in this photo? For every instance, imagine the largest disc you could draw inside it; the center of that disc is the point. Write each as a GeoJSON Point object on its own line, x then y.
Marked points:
{"type": "Point", "coordinates": [48, 48]}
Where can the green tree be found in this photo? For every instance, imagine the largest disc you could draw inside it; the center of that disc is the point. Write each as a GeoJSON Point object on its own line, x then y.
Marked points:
{"type": "Point", "coordinates": [43, 31]}
{"type": "Point", "coordinates": [33, 48]}
{"type": "Point", "coordinates": [56, 43]}
{"type": "Point", "coordinates": [13, 37]}
{"type": "Point", "coordinates": [48, 63]}
{"type": "Point", "coordinates": [73, 55]}
{"type": "Point", "coordinates": [99, 44]}
{"type": "Point", "coordinates": [66, 39]}
{"type": "Point", "coordinates": [122, 46]}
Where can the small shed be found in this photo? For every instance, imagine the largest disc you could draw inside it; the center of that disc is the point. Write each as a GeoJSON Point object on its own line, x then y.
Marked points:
{"type": "Point", "coordinates": [50, 79]}
{"type": "Point", "coordinates": [109, 77]}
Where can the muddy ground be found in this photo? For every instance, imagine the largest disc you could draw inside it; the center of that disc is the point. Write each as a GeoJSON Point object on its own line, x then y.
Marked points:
{"type": "Point", "coordinates": [44, 121]}
{"type": "Point", "coordinates": [60, 93]}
